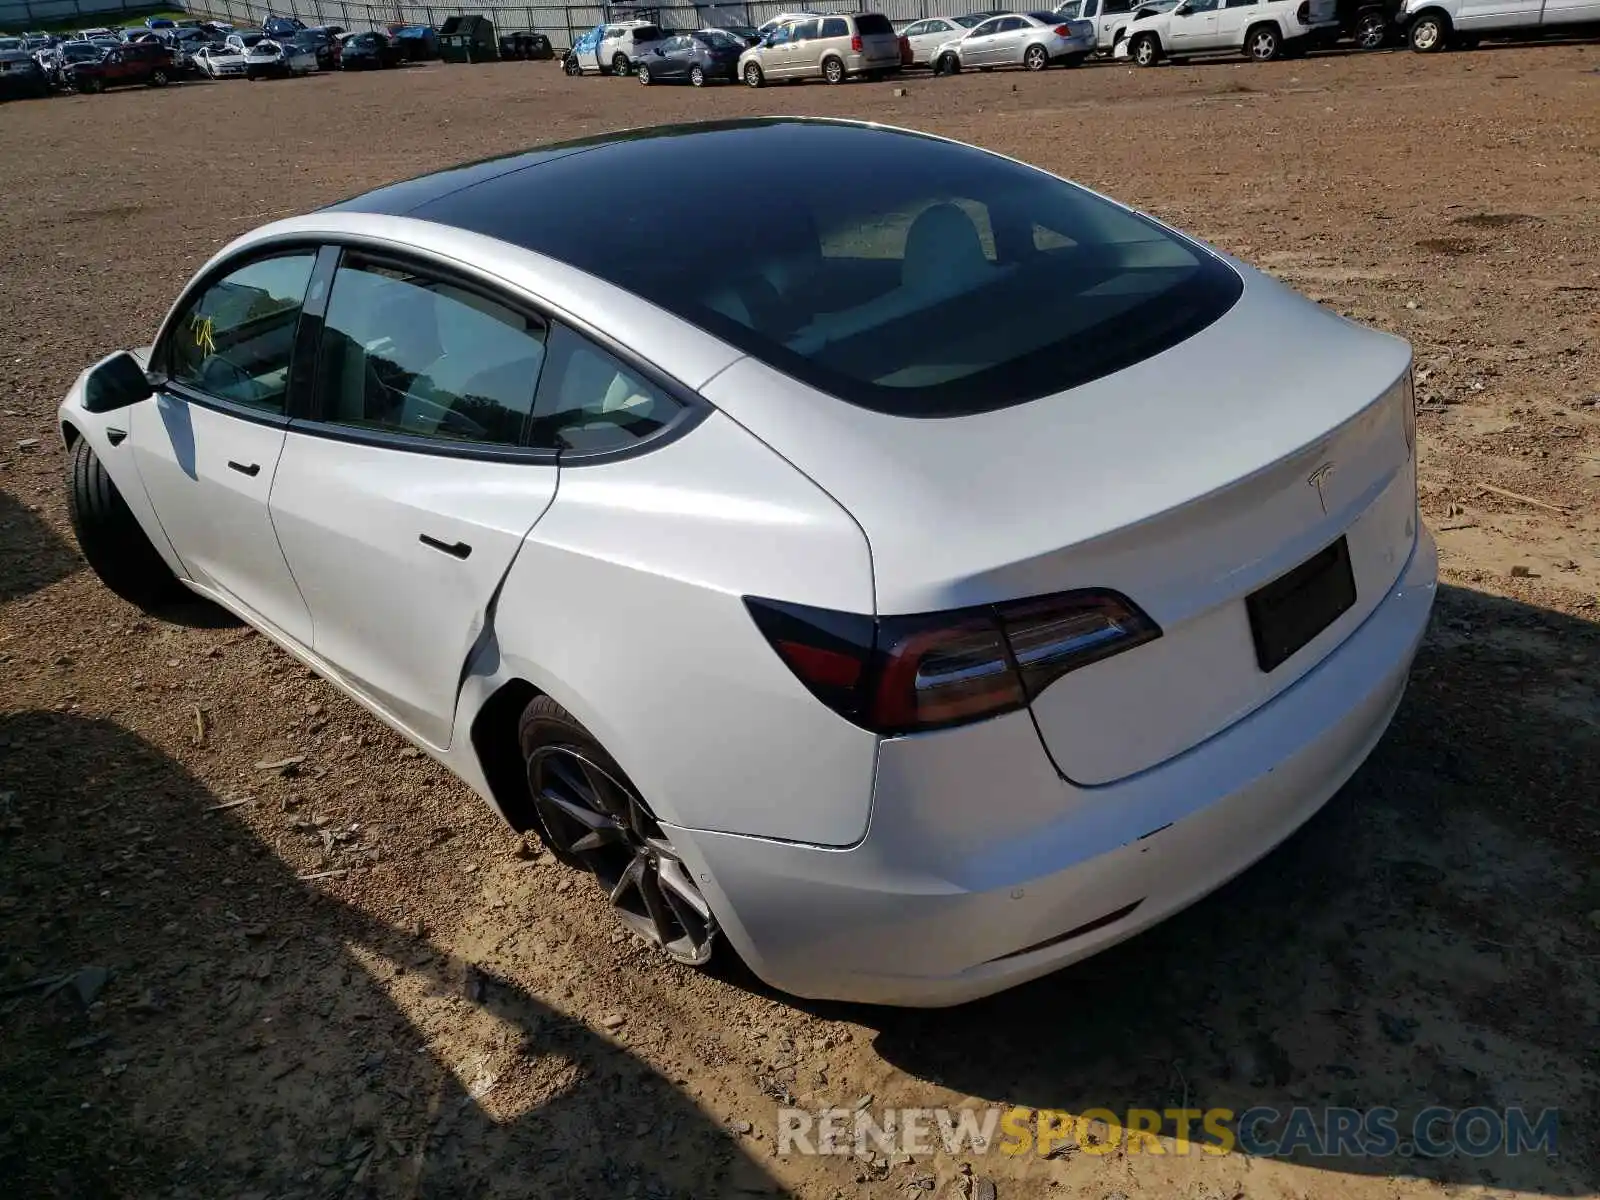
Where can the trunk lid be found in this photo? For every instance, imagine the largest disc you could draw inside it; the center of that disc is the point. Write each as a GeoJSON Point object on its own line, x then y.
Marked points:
{"type": "Point", "coordinates": [1184, 482]}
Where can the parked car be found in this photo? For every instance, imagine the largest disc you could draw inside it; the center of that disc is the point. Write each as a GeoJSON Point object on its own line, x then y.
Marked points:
{"type": "Point", "coordinates": [705, 56]}
{"type": "Point", "coordinates": [98, 31]}
{"type": "Point", "coordinates": [1370, 24]}
{"type": "Point", "coordinates": [242, 39]}
{"type": "Point", "coordinates": [13, 45]}
{"type": "Point", "coordinates": [417, 43]}
{"type": "Point", "coordinates": [884, 750]}
{"type": "Point", "coordinates": [158, 23]}
{"type": "Point", "coordinates": [1435, 25]}
{"type": "Point", "coordinates": [924, 37]}
{"type": "Point", "coordinates": [621, 45]}
{"type": "Point", "coordinates": [748, 34]}
{"type": "Point", "coordinates": [68, 55]}
{"type": "Point", "coordinates": [1110, 17]}
{"type": "Point", "coordinates": [274, 58]}
{"type": "Point", "coordinates": [21, 76]}
{"type": "Point", "coordinates": [1032, 41]}
{"type": "Point", "coordinates": [282, 28]}
{"type": "Point", "coordinates": [148, 63]}
{"type": "Point", "coordinates": [1260, 29]}
{"type": "Point", "coordinates": [367, 51]}
{"type": "Point", "coordinates": [323, 46]}
{"type": "Point", "coordinates": [833, 48]}
{"type": "Point", "coordinates": [524, 45]}
{"type": "Point", "coordinates": [220, 62]}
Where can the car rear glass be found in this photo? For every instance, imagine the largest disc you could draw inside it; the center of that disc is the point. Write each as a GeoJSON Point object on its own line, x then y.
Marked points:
{"type": "Point", "coordinates": [870, 23]}
{"type": "Point", "coordinates": [1045, 18]}
{"type": "Point", "coordinates": [944, 280]}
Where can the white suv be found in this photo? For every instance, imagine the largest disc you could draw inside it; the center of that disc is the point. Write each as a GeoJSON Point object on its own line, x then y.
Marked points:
{"type": "Point", "coordinates": [1262, 29]}
{"type": "Point", "coordinates": [624, 43]}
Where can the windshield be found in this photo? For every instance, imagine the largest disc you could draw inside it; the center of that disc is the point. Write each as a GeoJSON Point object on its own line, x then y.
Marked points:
{"type": "Point", "coordinates": [945, 280]}
{"type": "Point", "coordinates": [81, 52]}
{"type": "Point", "coordinates": [968, 22]}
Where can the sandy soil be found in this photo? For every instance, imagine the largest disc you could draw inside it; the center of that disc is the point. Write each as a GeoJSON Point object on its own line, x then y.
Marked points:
{"type": "Point", "coordinates": [457, 1015]}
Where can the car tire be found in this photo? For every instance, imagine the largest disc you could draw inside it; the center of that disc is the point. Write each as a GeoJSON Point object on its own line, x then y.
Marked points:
{"type": "Point", "coordinates": [158, 78]}
{"type": "Point", "coordinates": [619, 64]}
{"type": "Point", "coordinates": [592, 817]}
{"type": "Point", "coordinates": [948, 64]}
{"type": "Point", "coordinates": [1145, 50]}
{"type": "Point", "coordinates": [110, 537]}
{"type": "Point", "coordinates": [572, 66]}
{"type": "Point", "coordinates": [92, 87]}
{"type": "Point", "coordinates": [1430, 33]}
{"type": "Point", "coordinates": [1035, 58]}
{"type": "Point", "coordinates": [697, 76]}
{"type": "Point", "coordinates": [1372, 30]}
{"type": "Point", "coordinates": [753, 76]}
{"type": "Point", "coordinates": [1263, 43]}
{"type": "Point", "coordinates": [833, 70]}
{"type": "Point", "coordinates": [643, 72]}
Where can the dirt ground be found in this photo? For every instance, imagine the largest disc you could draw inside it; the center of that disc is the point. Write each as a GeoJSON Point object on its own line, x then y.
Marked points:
{"type": "Point", "coordinates": [458, 1016]}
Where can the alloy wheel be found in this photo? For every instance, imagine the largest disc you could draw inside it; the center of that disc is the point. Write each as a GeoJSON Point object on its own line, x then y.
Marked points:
{"type": "Point", "coordinates": [1144, 52]}
{"type": "Point", "coordinates": [643, 72]}
{"type": "Point", "coordinates": [833, 71]}
{"type": "Point", "coordinates": [697, 77]}
{"type": "Point", "coordinates": [1371, 31]}
{"type": "Point", "coordinates": [752, 75]}
{"type": "Point", "coordinates": [1036, 59]}
{"type": "Point", "coordinates": [594, 818]}
{"type": "Point", "coordinates": [1264, 46]}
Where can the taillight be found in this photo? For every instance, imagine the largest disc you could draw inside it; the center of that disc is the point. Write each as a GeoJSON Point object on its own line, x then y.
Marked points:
{"type": "Point", "coordinates": [905, 51]}
{"type": "Point", "coordinates": [1064, 31]}
{"type": "Point", "coordinates": [903, 674]}
{"type": "Point", "coordinates": [855, 44]}
{"type": "Point", "coordinates": [1303, 13]}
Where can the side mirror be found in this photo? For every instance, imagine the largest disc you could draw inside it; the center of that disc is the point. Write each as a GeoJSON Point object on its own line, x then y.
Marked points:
{"type": "Point", "coordinates": [118, 382]}
{"type": "Point", "coordinates": [1181, 11]}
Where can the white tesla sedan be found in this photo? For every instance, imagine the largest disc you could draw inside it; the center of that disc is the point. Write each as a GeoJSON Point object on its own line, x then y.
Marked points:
{"type": "Point", "coordinates": [913, 587]}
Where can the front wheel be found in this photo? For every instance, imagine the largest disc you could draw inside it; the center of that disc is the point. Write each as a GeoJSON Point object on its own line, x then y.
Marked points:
{"type": "Point", "coordinates": [949, 64]}
{"type": "Point", "coordinates": [571, 66]}
{"type": "Point", "coordinates": [1263, 43]}
{"type": "Point", "coordinates": [1372, 30]}
{"type": "Point", "coordinates": [1035, 58]}
{"type": "Point", "coordinates": [1145, 50]}
{"type": "Point", "coordinates": [1430, 33]}
{"type": "Point", "coordinates": [158, 78]}
{"type": "Point", "coordinates": [697, 76]}
{"type": "Point", "coordinates": [594, 818]}
{"type": "Point", "coordinates": [110, 537]}
{"type": "Point", "coordinates": [752, 75]}
{"type": "Point", "coordinates": [833, 70]}
{"type": "Point", "coordinates": [643, 72]}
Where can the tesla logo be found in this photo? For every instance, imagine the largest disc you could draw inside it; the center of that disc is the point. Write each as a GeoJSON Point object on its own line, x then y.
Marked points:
{"type": "Point", "coordinates": [1316, 479]}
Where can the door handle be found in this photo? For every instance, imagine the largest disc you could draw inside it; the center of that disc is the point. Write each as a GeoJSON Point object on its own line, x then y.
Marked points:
{"type": "Point", "coordinates": [115, 435]}
{"type": "Point", "coordinates": [252, 470]}
{"type": "Point", "coordinates": [458, 550]}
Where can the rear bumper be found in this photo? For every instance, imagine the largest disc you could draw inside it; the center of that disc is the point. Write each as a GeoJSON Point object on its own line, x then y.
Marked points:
{"type": "Point", "coordinates": [1068, 47]}
{"type": "Point", "coordinates": [983, 869]}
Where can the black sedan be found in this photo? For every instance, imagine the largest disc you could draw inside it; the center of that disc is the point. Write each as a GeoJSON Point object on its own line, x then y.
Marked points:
{"type": "Point", "coordinates": [699, 58]}
{"type": "Point", "coordinates": [20, 75]}
{"type": "Point", "coordinates": [365, 50]}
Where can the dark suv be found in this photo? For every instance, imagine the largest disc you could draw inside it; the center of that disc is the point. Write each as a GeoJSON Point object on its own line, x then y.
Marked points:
{"type": "Point", "coordinates": [137, 62]}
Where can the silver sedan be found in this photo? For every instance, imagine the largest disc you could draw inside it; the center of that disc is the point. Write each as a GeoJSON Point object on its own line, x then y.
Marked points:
{"type": "Point", "coordinates": [1030, 40]}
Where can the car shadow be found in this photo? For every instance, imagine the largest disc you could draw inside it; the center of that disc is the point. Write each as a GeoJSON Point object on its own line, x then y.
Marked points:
{"type": "Point", "coordinates": [1429, 938]}
{"type": "Point", "coordinates": [31, 555]}
{"type": "Point", "coordinates": [183, 1016]}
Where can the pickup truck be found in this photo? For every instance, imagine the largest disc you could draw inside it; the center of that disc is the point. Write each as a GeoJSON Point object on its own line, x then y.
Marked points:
{"type": "Point", "coordinates": [1434, 25]}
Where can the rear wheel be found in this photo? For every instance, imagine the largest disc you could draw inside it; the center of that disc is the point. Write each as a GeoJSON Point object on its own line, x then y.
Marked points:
{"type": "Point", "coordinates": [1035, 58]}
{"type": "Point", "coordinates": [697, 76]}
{"type": "Point", "coordinates": [619, 64]}
{"type": "Point", "coordinates": [158, 78]}
{"type": "Point", "coordinates": [752, 75]}
{"type": "Point", "coordinates": [1430, 33]}
{"type": "Point", "coordinates": [1145, 50]}
{"type": "Point", "coordinates": [833, 70]}
{"type": "Point", "coordinates": [594, 818]}
{"type": "Point", "coordinates": [1263, 43]}
{"type": "Point", "coordinates": [110, 537]}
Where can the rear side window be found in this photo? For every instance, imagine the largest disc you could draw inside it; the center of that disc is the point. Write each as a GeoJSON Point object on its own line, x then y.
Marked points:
{"type": "Point", "coordinates": [835, 27]}
{"type": "Point", "coordinates": [406, 353]}
{"type": "Point", "coordinates": [591, 402]}
{"type": "Point", "coordinates": [868, 24]}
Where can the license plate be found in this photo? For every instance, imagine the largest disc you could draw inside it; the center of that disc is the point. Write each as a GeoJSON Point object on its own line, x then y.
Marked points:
{"type": "Point", "coordinates": [1294, 608]}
